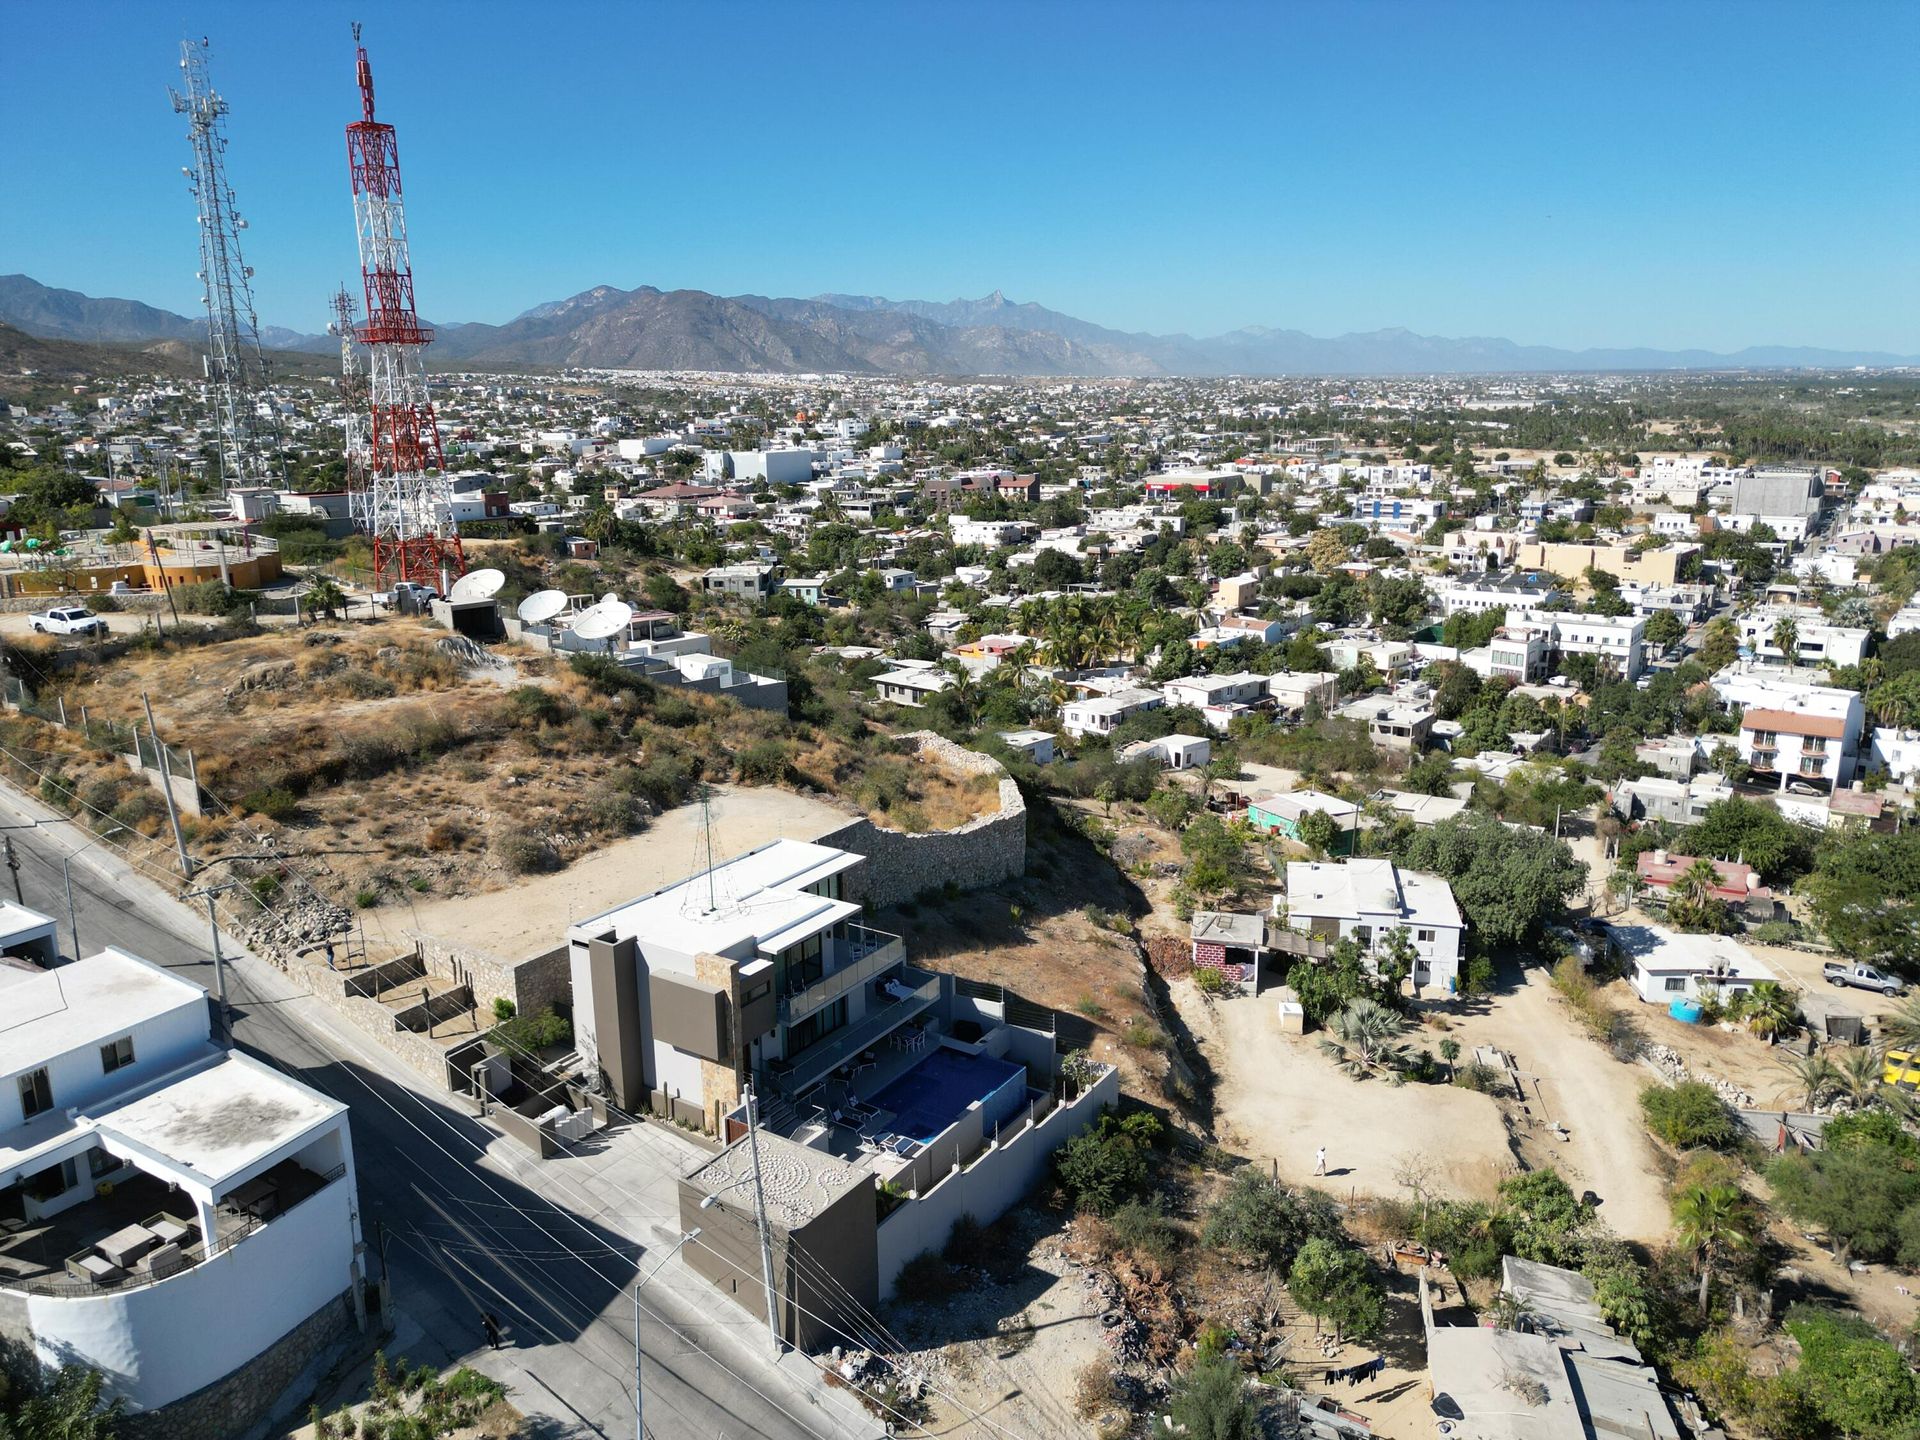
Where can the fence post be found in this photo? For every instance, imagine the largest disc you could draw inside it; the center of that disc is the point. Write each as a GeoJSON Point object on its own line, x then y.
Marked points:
{"type": "Point", "coordinates": [61, 701]}
{"type": "Point", "coordinates": [86, 725]}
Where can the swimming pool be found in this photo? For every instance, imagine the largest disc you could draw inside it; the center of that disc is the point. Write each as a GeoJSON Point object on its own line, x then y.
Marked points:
{"type": "Point", "coordinates": [937, 1091]}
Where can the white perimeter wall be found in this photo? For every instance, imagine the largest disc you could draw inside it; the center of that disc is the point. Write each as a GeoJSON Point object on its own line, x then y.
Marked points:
{"type": "Point", "coordinates": [159, 1342]}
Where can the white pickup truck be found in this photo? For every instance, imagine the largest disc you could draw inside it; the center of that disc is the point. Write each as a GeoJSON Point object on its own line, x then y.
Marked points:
{"type": "Point", "coordinates": [1863, 977]}
{"type": "Point", "coordinates": [67, 620]}
{"type": "Point", "coordinates": [407, 593]}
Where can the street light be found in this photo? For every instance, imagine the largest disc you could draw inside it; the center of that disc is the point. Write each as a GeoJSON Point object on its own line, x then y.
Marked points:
{"type": "Point", "coordinates": [639, 1426]}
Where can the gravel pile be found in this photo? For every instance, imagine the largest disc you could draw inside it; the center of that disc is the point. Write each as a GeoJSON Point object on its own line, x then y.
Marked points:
{"type": "Point", "coordinates": [1669, 1063]}
{"type": "Point", "coordinates": [292, 923]}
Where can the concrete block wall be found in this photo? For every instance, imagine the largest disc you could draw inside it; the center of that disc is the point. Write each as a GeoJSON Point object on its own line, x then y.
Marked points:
{"type": "Point", "coordinates": [973, 856]}
{"type": "Point", "coordinates": [531, 984]}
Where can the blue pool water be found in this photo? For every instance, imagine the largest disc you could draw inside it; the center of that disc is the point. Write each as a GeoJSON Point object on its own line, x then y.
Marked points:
{"type": "Point", "coordinates": [937, 1091]}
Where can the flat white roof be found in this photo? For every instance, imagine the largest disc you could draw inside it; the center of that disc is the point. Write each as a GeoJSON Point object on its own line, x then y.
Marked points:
{"type": "Point", "coordinates": [218, 1121]}
{"type": "Point", "coordinates": [71, 1006]}
{"type": "Point", "coordinates": [758, 899]}
{"type": "Point", "coordinates": [1654, 948]}
{"type": "Point", "coordinates": [1355, 889]}
{"type": "Point", "coordinates": [18, 923]}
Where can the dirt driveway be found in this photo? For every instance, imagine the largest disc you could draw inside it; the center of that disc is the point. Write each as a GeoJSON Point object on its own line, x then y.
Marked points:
{"type": "Point", "coordinates": [1579, 1084]}
{"type": "Point", "coordinates": [532, 915]}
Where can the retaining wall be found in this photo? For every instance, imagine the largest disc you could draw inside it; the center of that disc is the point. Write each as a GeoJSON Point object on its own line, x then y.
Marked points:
{"type": "Point", "coordinates": [973, 856]}
{"type": "Point", "coordinates": [531, 984]}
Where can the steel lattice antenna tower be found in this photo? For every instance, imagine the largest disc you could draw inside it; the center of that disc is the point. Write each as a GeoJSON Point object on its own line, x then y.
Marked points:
{"type": "Point", "coordinates": [353, 390]}
{"type": "Point", "coordinates": [407, 503]}
{"type": "Point", "coordinates": [236, 368]}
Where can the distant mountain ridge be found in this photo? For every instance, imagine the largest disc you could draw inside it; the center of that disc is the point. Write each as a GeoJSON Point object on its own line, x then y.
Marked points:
{"type": "Point", "coordinates": [606, 327]}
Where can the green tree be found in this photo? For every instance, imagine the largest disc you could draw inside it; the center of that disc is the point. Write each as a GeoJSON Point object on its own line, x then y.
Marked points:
{"type": "Point", "coordinates": [1719, 644]}
{"type": "Point", "coordinates": [1691, 903]}
{"type": "Point", "coordinates": [1364, 1038]}
{"type": "Point", "coordinates": [1688, 1115]}
{"type": "Point", "coordinates": [44, 1404]}
{"type": "Point", "coordinates": [1318, 832]}
{"type": "Point", "coordinates": [1106, 1165]}
{"type": "Point", "coordinates": [1664, 628]}
{"type": "Point", "coordinates": [1261, 1221]}
{"type": "Point", "coordinates": [1544, 1219]}
{"type": "Point", "coordinates": [1509, 883]}
{"type": "Point", "coordinates": [1857, 1383]}
{"type": "Point", "coordinates": [1336, 1283]}
{"type": "Point", "coordinates": [1210, 1402]}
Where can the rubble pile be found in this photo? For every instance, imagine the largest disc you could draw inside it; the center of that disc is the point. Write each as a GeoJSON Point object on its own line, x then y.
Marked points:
{"type": "Point", "coordinates": [293, 923]}
{"type": "Point", "coordinates": [1671, 1066]}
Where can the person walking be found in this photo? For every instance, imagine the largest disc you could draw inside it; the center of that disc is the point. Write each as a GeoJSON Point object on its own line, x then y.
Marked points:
{"type": "Point", "coordinates": [1320, 1161]}
{"type": "Point", "coordinates": [491, 1325]}
{"type": "Point", "coordinates": [330, 964]}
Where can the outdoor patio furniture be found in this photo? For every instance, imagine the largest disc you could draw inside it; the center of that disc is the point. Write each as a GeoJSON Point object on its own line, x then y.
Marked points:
{"type": "Point", "coordinates": [123, 1247]}
{"type": "Point", "coordinates": [170, 1231]}
{"type": "Point", "coordinates": [96, 1268]}
{"type": "Point", "coordinates": [163, 1260]}
{"type": "Point", "coordinates": [259, 1197]}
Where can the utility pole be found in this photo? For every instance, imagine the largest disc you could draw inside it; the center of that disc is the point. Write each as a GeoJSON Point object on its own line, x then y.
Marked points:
{"type": "Point", "coordinates": [760, 1215]}
{"type": "Point", "coordinates": [73, 916]}
{"type": "Point", "coordinates": [166, 788]}
{"type": "Point", "coordinates": [213, 926]}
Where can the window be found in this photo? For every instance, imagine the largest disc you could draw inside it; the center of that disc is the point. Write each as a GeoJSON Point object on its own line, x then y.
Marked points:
{"type": "Point", "coordinates": [1675, 983]}
{"type": "Point", "coordinates": [99, 1163]}
{"type": "Point", "coordinates": [36, 1093]}
{"type": "Point", "coordinates": [1425, 937]}
{"type": "Point", "coordinates": [1363, 934]}
{"type": "Point", "coordinates": [116, 1053]}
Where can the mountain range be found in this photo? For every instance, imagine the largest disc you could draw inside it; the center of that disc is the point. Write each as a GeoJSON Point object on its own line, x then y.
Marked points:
{"type": "Point", "coordinates": [650, 329]}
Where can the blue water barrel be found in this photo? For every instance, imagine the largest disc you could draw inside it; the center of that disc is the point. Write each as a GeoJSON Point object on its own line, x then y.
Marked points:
{"type": "Point", "coordinates": [1687, 1012]}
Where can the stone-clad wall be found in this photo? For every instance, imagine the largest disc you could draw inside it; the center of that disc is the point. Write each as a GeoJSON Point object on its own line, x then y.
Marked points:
{"type": "Point", "coordinates": [235, 1404]}
{"type": "Point", "coordinates": [531, 984]}
{"type": "Point", "coordinates": [980, 853]}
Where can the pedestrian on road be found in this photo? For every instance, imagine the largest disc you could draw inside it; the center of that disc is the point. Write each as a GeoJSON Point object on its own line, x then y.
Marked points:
{"type": "Point", "coordinates": [1320, 1161]}
{"type": "Point", "coordinates": [492, 1326]}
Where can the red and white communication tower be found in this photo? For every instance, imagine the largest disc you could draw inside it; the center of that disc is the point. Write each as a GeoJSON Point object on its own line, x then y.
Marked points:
{"type": "Point", "coordinates": [406, 504]}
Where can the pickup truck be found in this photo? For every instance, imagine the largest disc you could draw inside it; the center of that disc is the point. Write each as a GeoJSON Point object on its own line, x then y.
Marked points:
{"type": "Point", "coordinates": [1862, 977]}
{"type": "Point", "coordinates": [67, 620]}
{"type": "Point", "coordinates": [407, 592]}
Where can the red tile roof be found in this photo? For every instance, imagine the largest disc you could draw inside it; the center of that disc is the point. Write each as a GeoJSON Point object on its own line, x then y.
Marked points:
{"type": "Point", "coordinates": [1788, 722]}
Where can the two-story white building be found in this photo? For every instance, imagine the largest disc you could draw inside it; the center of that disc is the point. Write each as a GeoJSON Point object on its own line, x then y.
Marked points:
{"type": "Point", "coordinates": [1367, 900]}
{"type": "Point", "coordinates": [1619, 642]}
{"type": "Point", "coordinates": [170, 1210]}
{"type": "Point", "coordinates": [1103, 714]}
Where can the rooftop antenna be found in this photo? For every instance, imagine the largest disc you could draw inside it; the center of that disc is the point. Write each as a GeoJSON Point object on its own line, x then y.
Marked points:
{"type": "Point", "coordinates": [718, 888]}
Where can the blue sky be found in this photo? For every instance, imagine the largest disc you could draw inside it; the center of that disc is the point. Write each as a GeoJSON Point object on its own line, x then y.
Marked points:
{"type": "Point", "coordinates": [1699, 173]}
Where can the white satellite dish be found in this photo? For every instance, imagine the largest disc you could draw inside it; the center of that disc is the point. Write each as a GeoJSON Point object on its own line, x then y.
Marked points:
{"type": "Point", "coordinates": [603, 621]}
{"type": "Point", "coordinates": [610, 598]}
{"type": "Point", "coordinates": [542, 606]}
{"type": "Point", "coordinates": [476, 585]}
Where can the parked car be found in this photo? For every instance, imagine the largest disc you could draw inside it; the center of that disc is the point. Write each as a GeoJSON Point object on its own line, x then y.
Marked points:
{"type": "Point", "coordinates": [67, 620]}
{"type": "Point", "coordinates": [1862, 977]}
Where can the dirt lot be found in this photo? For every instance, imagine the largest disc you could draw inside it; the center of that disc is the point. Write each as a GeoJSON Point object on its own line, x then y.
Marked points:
{"type": "Point", "coordinates": [1280, 1099]}
{"type": "Point", "coordinates": [533, 915]}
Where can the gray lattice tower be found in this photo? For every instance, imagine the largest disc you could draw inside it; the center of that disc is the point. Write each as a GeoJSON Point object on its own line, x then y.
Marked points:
{"type": "Point", "coordinates": [236, 368]}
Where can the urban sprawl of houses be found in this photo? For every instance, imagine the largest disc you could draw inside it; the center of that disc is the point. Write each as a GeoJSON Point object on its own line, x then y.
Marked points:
{"type": "Point", "coordinates": [1065, 828]}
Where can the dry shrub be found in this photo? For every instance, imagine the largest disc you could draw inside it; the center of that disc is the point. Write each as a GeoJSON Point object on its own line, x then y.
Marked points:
{"type": "Point", "coordinates": [445, 834]}
{"type": "Point", "coordinates": [1094, 1391]}
{"type": "Point", "coordinates": [521, 851]}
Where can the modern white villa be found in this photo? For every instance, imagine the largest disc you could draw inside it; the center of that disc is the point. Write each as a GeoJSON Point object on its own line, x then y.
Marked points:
{"type": "Point", "coordinates": [170, 1210]}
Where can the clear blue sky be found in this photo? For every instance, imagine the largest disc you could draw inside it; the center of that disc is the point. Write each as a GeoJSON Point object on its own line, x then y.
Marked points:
{"type": "Point", "coordinates": [1589, 173]}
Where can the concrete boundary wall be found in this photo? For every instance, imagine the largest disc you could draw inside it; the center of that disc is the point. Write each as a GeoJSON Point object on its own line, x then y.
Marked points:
{"type": "Point", "coordinates": [989, 1186]}
{"type": "Point", "coordinates": [972, 856]}
{"type": "Point", "coordinates": [531, 984]}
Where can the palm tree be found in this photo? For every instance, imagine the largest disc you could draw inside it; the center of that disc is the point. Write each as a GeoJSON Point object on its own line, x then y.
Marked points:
{"type": "Point", "coordinates": [1713, 1221]}
{"type": "Point", "coordinates": [1450, 1052]}
{"type": "Point", "coordinates": [1858, 1077]}
{"type": "Point", "coordinates": [1771, 1011]}
{"type": "Point", "coordinates": [1786, 636]}
{"type": "Point", "coordinates": [1813, 1076]}
{"type": "Point", "coordinates": [1363, 1037]}
{"type": "Point", "coordinates": [1691, 903]}
{"type": "Point", "coordinates": [1901, 1029]}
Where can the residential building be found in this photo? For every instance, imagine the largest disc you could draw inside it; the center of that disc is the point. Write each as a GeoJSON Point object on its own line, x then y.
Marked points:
{"type": "Point", "coordinates": [1036, 745]}
{"type": "Point", "coordinates": [1812, 741]}
{"type": "Point", "coordinates": [1678, 802]}
{"type": "Point", "coordinates": [1815, 641]}
{"type": "Point", "coordinates": [911, 686]}
{"type": "Point", "coordinates": [1474, 594]}
{"type": "Point", "coordinates": [1367, 900]}
{"type": "Point", "coordinates": [1522, 653]}
{"type": "Point", "coordinates": [1667, 965]}
{"type": "Point", "coordinates": [741, 582]}
{"type": "Point", "coordinates": [1395, 724]}
{"type": "Point", "coordinates": [1423, 810]}
{"type": "Point", "coordinates": [1785, 490]}
{"type": "Point", "coordinates": [1174, 752]}
{"type": "Point", "coordinates": [1676, 757]}
{"type": "Point", "coordinates": [1293, 692]}
{"type": "Point", "coordinates": [1203, 691]}
{"type": "Point", "coordinates": [1396, 512]}
{"type": "Point", "coordinates": [1896, 754]}
{"type": "Point", "coordinates": [1103, 714]}
{"type": "Point", "coordinates": [171, 1211]}
{"type": "Point", "coordinates": [1619, 642]}
{"type": "Point", "coordinates": [1231, 945]}
{"type": "Point", "coordinates": [1282, 814]}
{"type": "Point", "coordinates": [1555, 1371]}
{"type": "Point", "coordinates": [1736, 883]}
{"type": "Point", "coordinates": [891, 1100]}
{"type": "Point", "coordinates": [1667, 565]}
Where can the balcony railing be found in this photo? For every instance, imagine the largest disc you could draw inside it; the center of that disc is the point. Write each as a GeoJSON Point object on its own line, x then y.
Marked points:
{"type": "Point", "coordinates": [818, 1061]}
{"type": "Point", "coordinates": [229, 1230]}
{"type": "Point", "coordinates": [868, 953]}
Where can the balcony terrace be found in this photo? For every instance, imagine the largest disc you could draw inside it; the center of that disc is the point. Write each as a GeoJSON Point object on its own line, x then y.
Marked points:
{"type": "Point", "coordinates": [912, 993]}
{"type": "Point", "coordinates": [863, 955]}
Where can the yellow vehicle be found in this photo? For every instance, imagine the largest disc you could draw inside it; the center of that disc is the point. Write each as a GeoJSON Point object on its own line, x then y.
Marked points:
{"type": "Point", "coordinates": [1901, 1070]}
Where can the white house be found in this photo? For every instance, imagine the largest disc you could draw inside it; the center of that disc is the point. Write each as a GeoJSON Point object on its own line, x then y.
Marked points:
{"type": "Point", "coordinates": [1201, 691]}
{"type": "Point", "coordinates": [1174, 752]}
{"type": "Point", "coordinates": [1294, 692]}
{"type": "Point", "coordinates": [1815, 641]}
{"type": "Point", "coordinates": [911, 687]}
{"type": "Point", "coordinates": [1896, 754]}
{"type": "Point", "coordinates": [1036, 745]}
{"type": "Point", "coordinates": [1667, 965]}
{"type": "Point", "coordinates": [1621, 641]}
{"type": "Point", "coordinates": [1475, 594]}
{"type": "Point", "coordinates": [170, 1210]}
{"type": "Point", "coordinates": [1367, 900]}
{"type": "Point", "coordinates": [1809, 738]}
{"type": "Point", "coordinates": [1103, 714]}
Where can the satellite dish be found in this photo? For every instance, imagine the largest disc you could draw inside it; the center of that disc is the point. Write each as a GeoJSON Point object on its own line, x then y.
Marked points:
{"type": "Point", "coordinates": [542, 606]}
{"type": "Point", "coordinates": [610, 598]}
{"type": "Point", "coordinates": [476, 585]}
{"type": "Point", "coordinates": [603, 621]}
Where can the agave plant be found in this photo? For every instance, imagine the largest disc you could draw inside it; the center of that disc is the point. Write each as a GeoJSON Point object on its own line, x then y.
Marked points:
{"type": "Point", "coordinates": [1363, 1037]}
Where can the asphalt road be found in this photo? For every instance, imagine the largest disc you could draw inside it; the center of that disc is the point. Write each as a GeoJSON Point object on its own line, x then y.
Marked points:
{"type": "Point", "coordinates": [549, 1249]}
